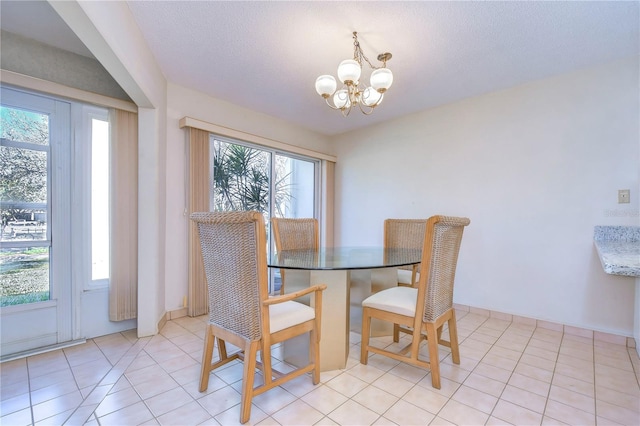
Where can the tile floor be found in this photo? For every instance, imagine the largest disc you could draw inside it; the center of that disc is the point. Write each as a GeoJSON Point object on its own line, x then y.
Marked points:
{"type": "Point", "coordinates": [511, 373]}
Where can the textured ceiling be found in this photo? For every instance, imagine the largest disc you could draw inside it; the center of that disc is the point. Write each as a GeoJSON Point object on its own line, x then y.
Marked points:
{"type": "Point", "coordinates": [266, 55]}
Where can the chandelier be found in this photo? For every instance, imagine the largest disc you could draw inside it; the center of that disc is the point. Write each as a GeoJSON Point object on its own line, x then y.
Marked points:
{"type": "Point", "coordinates": [352, 93]}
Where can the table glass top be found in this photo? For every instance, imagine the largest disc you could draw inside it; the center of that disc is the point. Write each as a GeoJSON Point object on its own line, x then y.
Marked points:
{"type": "Point", "coordinates": [334, 258]}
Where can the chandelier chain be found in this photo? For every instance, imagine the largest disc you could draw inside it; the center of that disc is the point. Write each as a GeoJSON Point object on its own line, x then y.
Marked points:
{"type": "Point", "coordinates": [358, 54]}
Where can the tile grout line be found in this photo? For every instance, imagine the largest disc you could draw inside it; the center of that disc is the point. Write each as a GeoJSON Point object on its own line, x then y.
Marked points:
{"type": "Point", "coordinates": [127, 359]}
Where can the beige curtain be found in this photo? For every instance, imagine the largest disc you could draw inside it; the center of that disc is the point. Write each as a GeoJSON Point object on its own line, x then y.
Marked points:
{"type": "Point", "coordinates": [123, 287]}
{"type": "Point", "coordinates": [198, 202]}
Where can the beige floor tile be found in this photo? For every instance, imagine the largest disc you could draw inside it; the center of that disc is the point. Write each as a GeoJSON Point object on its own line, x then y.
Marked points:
{"type": "Point", "coordinates": [324, 399]}
{"type": "Point", "coordinates": [375, 399]}
{"type": "Point", "coordinates": [447, 387]}
{"type": "Point", "coordinates": [615, 378]}
{"type": "Point", "coordinates": [524, 398]}
{"type": "Point", "coordinates": [453, 372]}
{"type": "Point", "coordinates": [273, 400]}
{"type": "Point", "coordinates": [515, 414]}
{"type": "Point", "coordinates": [53, 391]}
{"type": "Point", "coordinates": [544, 344]}
{"type": "Point", "coordinates": [300, 386]}
{"type": "Point", "coordinates": [575, 371]}
{"type": "Point", "coordinates": [622, 399]}
{"type": "Point", "coordinates": [617, 414]}
{"type": "Point", "coordinates": [191, 413]}
{"type": "Point", "coordinates": [567, 414]}
{"type": "Point", "coordinates": [53, 378]}
{"type": "Point", "coordinates": [367, 373]}
{"type": "Point", "coordinates": [220, 400]}
{"type": "Point", "coordinates": [439, 421]}
{"type": "Point", "coordinates": [17, 418]}
{"type": "Point", "coordinates": [541, 353]}
{"type": "Point", "coordinates": [17, 403]}
{"type": "Point", "coordinates": [459, 413]}
{"type": "Point", "coordinates": [347, 384]}
{"type": "Point", "coordinates": [117, 401]}
{"type": "Point", "coordinates": [495, 373]}
{"type": "Point", "coordinates": [168, 401]}
{"type": "Point", "coordinates": [537, 373]}
{"type": "Point", "coordinates": [574, 385]}
{"type": "Point", "coordinates": [475, 399]}
{"type": "Point", "coordinates": [297, 413]}
{"type": "Point", "coordinates": [133, 414]}
{"type": "Point", "coordinates": [393, 384]}
{"type": "Point", "coordinates": [404, 413]}
{"type": "Point", "coordinates": [352, 413]}
{"type": "Point", "coordinates": [573, 399]}
{"type": "Point", "coordinates": [155, 386]}
{"type": "Point", "coordinates": [409, 372]}
{"type": "Point", "coordinates": [499, 362]}
{"type": "Point", "coordinates": [532, 385]}
{"type": "Point", "coordinates": [90, 373]}
{"type": "Point", "coordinates": [507, 353]}
{"type": "Point", "coordinates": [426, 399]}
{"type": "Point", "coordinates": [485, 384]}
{"type": "Point", "coordinates": [536, 361]}
{"type": "Point", "coordinates": [56, 406]}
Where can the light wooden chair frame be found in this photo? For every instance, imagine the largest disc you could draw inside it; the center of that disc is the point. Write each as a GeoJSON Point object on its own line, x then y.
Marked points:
{"type": "Point", "coordinates": [434, 300]}
{"type": "Point", "coordinates": [250, 305]}
{"type": "Point", "coordinates": [294, 234]}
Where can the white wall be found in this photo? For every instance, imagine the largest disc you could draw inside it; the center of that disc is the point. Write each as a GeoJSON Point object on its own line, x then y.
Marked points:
{"type": "Point", "coordinates": [535, 168]}
{"type": "Point", "coordinates": [123, 52]}
{"type": "Point", "coordinates": [186, 102]}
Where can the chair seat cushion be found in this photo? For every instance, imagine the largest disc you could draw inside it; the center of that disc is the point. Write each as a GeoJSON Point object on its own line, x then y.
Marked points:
{"type": "Point", "coordinates": [287, 314]}
{"type": "Point", "coordinates": [404, 276]}
{"type": "Point", "coordinates": [399, 300]}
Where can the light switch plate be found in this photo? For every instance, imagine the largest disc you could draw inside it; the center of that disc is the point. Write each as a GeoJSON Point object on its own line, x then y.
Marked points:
{"type": "Point", "coordinates": [623, 196]}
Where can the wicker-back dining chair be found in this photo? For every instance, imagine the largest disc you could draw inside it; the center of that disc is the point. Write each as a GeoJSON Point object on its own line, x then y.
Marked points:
{"type": "Point", "coordinates": [294, 234]}
{"type": "Point", "coordinates": [240, 309]}
{"type": "Point", "coordinates": [405, 233]}
{"type": "Point", "coordinates": [425, 308]}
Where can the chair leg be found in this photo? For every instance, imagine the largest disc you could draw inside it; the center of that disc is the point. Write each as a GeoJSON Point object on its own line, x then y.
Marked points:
{"type": "Point", "coordinates": [248, 374]}
{"type": "Point", "coordinates": [434, 361]}
{"type": "Point", "coordinates": [364, 338]}
{"type": "Point", "coordinates": [314, 355]}
{"type": "Point", "coordinates": [453, 338]}
{"type": "Point", "coordinates": [396, 333]}
{"type": "Point", "coordinates": [207, 354]}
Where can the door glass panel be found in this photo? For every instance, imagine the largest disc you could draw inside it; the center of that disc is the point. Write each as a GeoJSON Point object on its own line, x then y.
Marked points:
{"type": "Point", "coordinates": [240, 178]}
{"type": "Point", "coordinates": [100, 228]}
{"type": "Point", "coordinates": [295, 187]}
{"type": "Point", "coordinates": [248, 178]}
{"type": "Point", "coordinates": [24, 191]}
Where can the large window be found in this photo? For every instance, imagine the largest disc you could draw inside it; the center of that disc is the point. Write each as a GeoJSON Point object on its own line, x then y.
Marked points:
{"type": "Point", "coordinates": [275, 183]}
{"type": "Point", "coordinates": [24, 206]}
{"type": "Point", "coordinates": [27, 160]}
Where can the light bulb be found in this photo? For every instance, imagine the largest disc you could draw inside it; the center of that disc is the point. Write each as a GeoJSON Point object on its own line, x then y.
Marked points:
{"type": "Point", "coordinates": [349, 70]}
{"type": "Point", "coordinates": [381, 79]}
{"type": "Point", "coordinates": [371, 97]}
{"type": "Point", "coordinates": [325, 85]}
{"type": "Point", "coordinates": [341, 99]}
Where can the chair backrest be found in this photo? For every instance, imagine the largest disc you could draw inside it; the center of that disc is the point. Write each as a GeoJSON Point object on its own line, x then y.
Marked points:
{"type": "Point", "coordinates": [295, 234]}
{"type": "Point", "coordinates": [235, 261]}
{"type": "Point", "coordinates": [439, 260]}
{"type": "Point", "coordinates": [405, 233]}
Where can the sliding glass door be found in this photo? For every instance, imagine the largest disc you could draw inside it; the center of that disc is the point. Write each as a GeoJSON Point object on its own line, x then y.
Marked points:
{"type": "Point", "coordinates": [275, 183]}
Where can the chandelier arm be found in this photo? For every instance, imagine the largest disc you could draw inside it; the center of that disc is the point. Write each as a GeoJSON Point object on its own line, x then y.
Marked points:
{"type": "Point", "coordinates": [362, 110]}
{"type": "Point", "coordinates": [329, 105]}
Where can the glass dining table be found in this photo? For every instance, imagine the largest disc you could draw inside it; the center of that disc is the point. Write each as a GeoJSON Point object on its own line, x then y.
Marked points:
{"type": "Point", "coordinates": [351, 274]}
